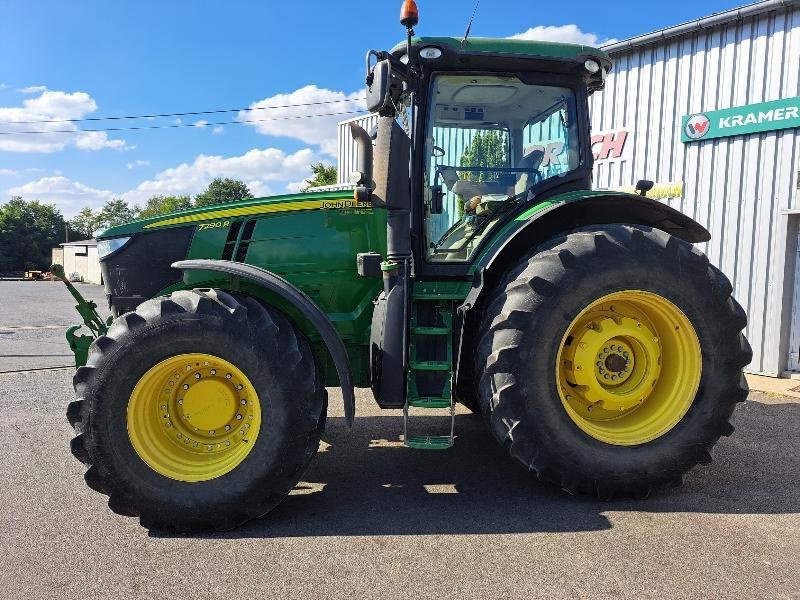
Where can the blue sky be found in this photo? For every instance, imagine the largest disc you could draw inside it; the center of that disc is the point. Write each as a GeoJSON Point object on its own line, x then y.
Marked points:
{"type": "Point", "coordinates": [97, 59]}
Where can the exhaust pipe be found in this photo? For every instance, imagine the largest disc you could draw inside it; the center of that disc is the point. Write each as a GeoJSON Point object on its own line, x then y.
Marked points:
{"type": "Point", "coordinates": [364, 164]}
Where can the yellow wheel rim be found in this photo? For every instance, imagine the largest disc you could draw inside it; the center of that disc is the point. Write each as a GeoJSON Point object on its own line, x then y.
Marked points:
{"type": "Point", "coordinates": [193, 417]}
{"type": "Point", "coordinates": [628, 367]}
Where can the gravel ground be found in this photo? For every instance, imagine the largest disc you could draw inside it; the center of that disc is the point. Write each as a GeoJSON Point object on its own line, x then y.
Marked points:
{"type": "Point", "coordinates": [375, 519]}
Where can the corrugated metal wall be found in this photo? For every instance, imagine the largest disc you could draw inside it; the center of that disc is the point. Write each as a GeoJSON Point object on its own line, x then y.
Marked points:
{"type": "Point", "coordinates": [741, 187]}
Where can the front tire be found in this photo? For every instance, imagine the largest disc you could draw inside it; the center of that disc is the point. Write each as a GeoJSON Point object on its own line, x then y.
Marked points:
{"type": "Point", "coordinates": [197, 411]}
{"type": "Point", "coordinates": [611, 360]}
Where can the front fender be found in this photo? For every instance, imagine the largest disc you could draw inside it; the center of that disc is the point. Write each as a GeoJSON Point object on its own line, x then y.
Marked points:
{"type": "Point", "coordinates": [299, 300]}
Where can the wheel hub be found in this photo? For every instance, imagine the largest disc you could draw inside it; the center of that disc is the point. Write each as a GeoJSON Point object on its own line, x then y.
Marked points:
{"type": "Point", "coordinates": [625, 357]}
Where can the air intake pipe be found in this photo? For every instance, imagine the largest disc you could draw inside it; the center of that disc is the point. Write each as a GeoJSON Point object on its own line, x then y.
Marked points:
{"type": "Point", "coordinates": [393, 189]}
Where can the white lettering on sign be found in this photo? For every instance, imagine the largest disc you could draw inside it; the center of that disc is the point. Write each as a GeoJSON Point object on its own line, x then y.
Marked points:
{"type": "Point", "coordinates": [606, 146]}
{"type": "Point", "coordinates": [753, 118]}
{"type": "Point", "coordinates": [611, 145]}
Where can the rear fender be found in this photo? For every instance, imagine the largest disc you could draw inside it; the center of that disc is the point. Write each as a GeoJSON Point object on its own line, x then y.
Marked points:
{"type": "Point", "coordinates": [302, 303]}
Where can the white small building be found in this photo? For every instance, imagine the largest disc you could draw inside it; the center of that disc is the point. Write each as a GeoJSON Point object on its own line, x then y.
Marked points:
{"type": "Point", "coordinates": [80, 258]}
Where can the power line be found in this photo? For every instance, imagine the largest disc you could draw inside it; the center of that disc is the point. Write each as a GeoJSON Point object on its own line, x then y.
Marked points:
{"type": "Point", "coordinates": [182, 114]}
{"type": "Point", "coordinates": [180, 125]}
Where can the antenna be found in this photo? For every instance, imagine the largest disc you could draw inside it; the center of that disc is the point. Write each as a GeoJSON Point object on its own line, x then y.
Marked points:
{"type": "Point", "coordinates": [469, 25]}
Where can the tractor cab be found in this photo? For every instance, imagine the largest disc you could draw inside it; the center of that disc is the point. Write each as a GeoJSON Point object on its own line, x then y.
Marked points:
{"type": "Point", "coordinates": [495, 124]}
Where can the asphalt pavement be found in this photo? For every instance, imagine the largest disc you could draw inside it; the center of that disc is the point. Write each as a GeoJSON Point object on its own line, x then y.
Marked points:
{"type": "Point", "coordinates": [374, 519]}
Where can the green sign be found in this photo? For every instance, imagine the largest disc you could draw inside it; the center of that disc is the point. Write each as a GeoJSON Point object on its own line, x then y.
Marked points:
{"type": "Point", "coordinates": [753, 118]}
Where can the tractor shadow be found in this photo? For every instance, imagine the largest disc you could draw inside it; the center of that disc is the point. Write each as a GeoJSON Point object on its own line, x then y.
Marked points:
{"type": "Point", "coordinates": [363, 482]}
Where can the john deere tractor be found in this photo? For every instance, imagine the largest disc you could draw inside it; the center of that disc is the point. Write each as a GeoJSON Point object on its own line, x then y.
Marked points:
{"type": "Point", "coordinates": [469, 261]}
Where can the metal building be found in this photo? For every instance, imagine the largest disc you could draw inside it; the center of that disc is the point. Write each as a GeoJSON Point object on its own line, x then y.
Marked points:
{"type": "Point", "coordinates": [710, 111]}
{"type": "Point", "coordinates": [738, 177]}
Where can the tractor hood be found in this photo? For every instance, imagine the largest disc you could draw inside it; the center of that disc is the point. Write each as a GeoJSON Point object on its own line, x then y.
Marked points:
{"type": "Point", "coordinates": [228, 210]}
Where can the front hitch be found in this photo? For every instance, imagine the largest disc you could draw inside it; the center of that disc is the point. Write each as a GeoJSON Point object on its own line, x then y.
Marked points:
{"type": "Point", "coordinates": [79, 344]}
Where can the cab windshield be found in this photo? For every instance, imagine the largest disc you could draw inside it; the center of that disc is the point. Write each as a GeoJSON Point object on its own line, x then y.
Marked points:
{"type": "Point", "coordinates": [490, 141]}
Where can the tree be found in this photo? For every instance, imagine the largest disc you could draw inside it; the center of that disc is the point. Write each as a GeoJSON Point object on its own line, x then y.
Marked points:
{"type": "Point", "coordinates": [85, 223]}
{"type": "Point", "coordinates": [116, 212]}
{"type": "Point", "coordinates": [28, 233]}
{"type": "Point", "coordinates": [488, 149]}
{"type": "Point", "coordinates": [223, 190]}
{"type": "Point", "coordinates": [160, 205]}
{"type": "Point", "coordinates": [321, 174]}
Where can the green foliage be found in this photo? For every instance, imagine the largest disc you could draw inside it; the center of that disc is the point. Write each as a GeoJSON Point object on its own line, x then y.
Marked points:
{"type": "Point", "coordinates": [160, 205]}
{"type": "Point", "coordinates": [223, 190]}
{"type": "Point", "coordinates": [85, 223]}
{"type": "Point", "coordinates": [116, 212]}
{"type": "Point", "coordinates": [321, 174]}
{"type": "Point", "coordinates": [488, 149]}
{"type": "Point", "coordinates": [28, 233]}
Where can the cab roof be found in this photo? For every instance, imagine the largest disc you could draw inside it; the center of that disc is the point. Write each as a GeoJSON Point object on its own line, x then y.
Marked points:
{"type": "Point", "coordinates": [532, 48]}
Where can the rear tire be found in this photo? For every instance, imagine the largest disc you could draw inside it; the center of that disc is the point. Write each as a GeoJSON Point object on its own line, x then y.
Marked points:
{"type": "Point", "coordinates": [289, 405]}
{"type": "Point", "coordinates": [529, 317]}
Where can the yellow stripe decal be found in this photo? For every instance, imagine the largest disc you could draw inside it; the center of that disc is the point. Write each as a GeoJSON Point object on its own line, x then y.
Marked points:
{"type": "Point", "coordinates": [241, 212]}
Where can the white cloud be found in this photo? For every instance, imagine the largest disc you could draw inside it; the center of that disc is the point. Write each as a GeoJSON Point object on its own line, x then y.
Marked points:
{"type": "Point", "coordinates": [56, 106]}
{"type": "Point", "coordinates": [69, 196]}
{"type": "Point", "coordinates": [3, 86]}
{"type": "Point", "coordinates": [217, 130]}
{"type": "Point", "coordinates": [265, 171]}
{"type": "Point", "coordinates": [8, 172]}
{"type": "Point", "coordinates": [257, 167]}
{"type": "Point", "coordinates": [294, 187]}
{"type": "Point", "coordinates": [567, 34]}
{"type": "Point", "coordinates": [137, 163]}
{"type": "Point", "coordinates": [200, 123]}
{"type": "Point", "coordinates": [319, 131]}
{"type": "Point", "coordinates": [33, 89]}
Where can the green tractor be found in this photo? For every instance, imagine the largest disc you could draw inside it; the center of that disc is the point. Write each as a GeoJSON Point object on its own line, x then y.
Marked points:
{"type": "Point", "coordinates": [470, 262]}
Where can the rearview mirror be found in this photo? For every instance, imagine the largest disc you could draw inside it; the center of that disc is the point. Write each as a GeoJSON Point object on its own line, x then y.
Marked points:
{"type": "Point", "coordinates": [378, 83]}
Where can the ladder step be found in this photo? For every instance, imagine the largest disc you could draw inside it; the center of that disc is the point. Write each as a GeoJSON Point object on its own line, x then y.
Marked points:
{"type": "Point", "coordinates": [429, 402]}
{"type": "Point", "coordinates": [430, 330]}
{"type": "Point", "coordinates": [428, 442]}
{"type": "Point", "coordinates": [430, 365]}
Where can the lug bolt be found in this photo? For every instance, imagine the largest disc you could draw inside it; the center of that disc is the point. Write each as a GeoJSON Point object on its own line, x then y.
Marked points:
{"type": "Point", "coordinates": [197, 375]}
{"type": "Point", "coordinates": [239, 386]}
{"type": "Point", "coordinates": [180, 400]}
{"type": "Point", "coordinates": [186, 386]}
{"type": "Point", "coordinates": [227, 427]}
{"type": "Point", "coordinates": [213, 371]}
{"type": "Point", "coordinates": [239, 417]}
{"type": "Point", "coordinates": [228, 376]}
{"type": "Point", "coordinates": [212, 432]}
{"type": "Point", "coordinates": [243, 402]}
